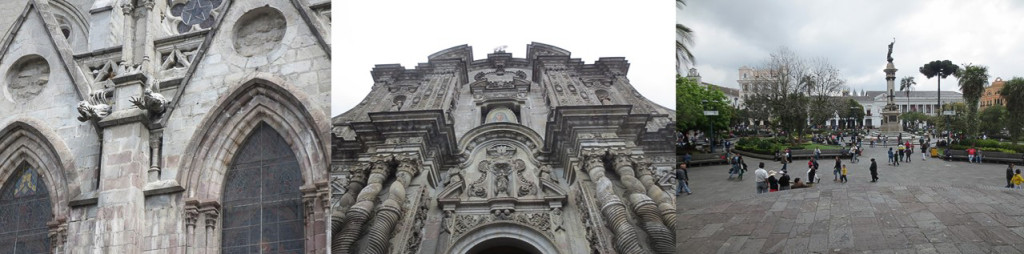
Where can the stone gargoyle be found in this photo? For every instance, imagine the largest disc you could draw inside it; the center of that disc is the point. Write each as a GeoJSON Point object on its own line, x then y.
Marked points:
{"type": "Point", "coordinates": [88, 111]}
{"type": "Point", "coordinates": [155, 103]}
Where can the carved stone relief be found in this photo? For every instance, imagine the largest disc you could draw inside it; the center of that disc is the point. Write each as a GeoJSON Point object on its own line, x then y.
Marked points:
{"type": "Point", "coordinates": [479, 188]}
{"type": "Point", "coordinates": [526, 187]}
{"type": "Point", "coordinates": [259, 31]}
{"type": "Point", "coordinates": [27, 78]}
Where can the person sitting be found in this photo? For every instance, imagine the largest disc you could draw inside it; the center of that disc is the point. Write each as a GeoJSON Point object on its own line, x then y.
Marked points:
{"type": "Point", "coordinates": [797, 184]}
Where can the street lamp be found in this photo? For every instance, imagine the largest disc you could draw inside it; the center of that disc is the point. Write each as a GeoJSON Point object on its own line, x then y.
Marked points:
{"type": "Point", "coordinates": [711, 126]}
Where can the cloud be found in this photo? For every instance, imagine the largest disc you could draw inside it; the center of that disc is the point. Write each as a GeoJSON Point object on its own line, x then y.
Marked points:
{"type": "Point", "coordinates": [853, 35]}
{"type": "Point", "coordinates": [383, 32]}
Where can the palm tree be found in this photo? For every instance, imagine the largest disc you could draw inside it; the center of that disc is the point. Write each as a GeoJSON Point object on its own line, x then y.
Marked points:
{"type": "Point", "coordinates": [941, 69]}
{"type": "Point", "coordinates": [972, 83]}
{"type": "Point", "coordinates": [906, 84]}
{"type": "Point", "coordinates": [684, 39]}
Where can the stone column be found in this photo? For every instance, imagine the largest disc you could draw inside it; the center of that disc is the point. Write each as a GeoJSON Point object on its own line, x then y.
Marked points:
{"type": "Point", "coordinates": [191, 216]}
{"type": "Point", "coordinates": [356, 180]}
{"type": "Point", "coordinates": [120, 216]}
{"type": "Point", "coordinates": [58, 234]}
{"type": "Point", "coordinates": [358, 214]}
{"type": "Point", "coordinates": [661, 238]}
{"type": "Point", "coordinates": [664, 200]}
{"type": "Point", "coordinates": [211, 212]}
{"type": "Point", "coordinates": [379, 233]}
{"type": "Point", "coordinates": [155, 138]}
{"type": "Point", "coordinates": [626, 240]}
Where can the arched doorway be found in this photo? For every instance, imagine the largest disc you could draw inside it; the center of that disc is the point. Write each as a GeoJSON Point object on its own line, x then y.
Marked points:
{"type": "Point", "coordinates": [263, 210]}
{"type": "Point", "coordinates": [24, 211]}
{"type": "Point", "coordinates": [505, 237]}
{"type": "Point", "coordinates": [503, 246]}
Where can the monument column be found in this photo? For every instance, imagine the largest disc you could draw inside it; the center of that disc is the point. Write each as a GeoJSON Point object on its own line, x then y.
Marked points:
{"type": "Point", "coordinates": [891, 112]}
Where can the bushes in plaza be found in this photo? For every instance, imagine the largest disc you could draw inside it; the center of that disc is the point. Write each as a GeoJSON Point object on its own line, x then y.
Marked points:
{"type": "Point", "coordinates": [770, 145]}
{"type": "Point", "coordinates": [989, 145]}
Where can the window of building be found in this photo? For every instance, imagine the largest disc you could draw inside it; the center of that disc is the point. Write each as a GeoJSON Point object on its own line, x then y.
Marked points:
{"type": "Point", "coordinates": [24, 212]}
{"type": "Point", "coordinates": [262, 201]}
{"type": "Point", "coordinates": [501, 115]}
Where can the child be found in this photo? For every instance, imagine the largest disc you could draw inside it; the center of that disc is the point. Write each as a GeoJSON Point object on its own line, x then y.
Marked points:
{"type": "Point", "coordinates": [1017, 180]}
{"type": "Point", "coordinates": [843, 177]}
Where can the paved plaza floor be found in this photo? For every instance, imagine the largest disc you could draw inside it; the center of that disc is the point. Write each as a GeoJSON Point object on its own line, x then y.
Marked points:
{"type": "Point", "coordinates": [931, 206]}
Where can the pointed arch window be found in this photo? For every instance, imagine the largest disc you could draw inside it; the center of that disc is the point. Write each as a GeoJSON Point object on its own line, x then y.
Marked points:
{"type": "Point", "coordinates": [25, 209]}
{"type": "Point", "coordinates": [262, 201]}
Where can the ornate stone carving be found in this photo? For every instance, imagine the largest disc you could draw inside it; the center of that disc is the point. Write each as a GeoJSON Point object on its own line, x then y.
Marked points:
{"type": "Point", "coordinates": [154, 103]}
{"type": "Point", "coordinates": [556, 219]}
{"type": "Point", "coordinates": [88, 111]}
{"type": "Point", "coordinates": [259, 31]}
{"type": "Point", "coordinates": [27, 78]}
{"type": "Point", "coordinates": [614, 211]}
{"type": "Point", "coordinates": [125, 68]}
{"type": "Point", "coordinates": [390, 211]}
{"type": "Point", "coordinates": [479, 188]}
{"type": "Point", "coordinates": [525, 186]}
{"type": "Point", "coordinates": [501, 173]}
{"type": "Point", "coordinates": [413, 243]}
{"type": "Point", "coordinates": [545, 173]}
{"type": "Point", "coordinates": [357, 215]}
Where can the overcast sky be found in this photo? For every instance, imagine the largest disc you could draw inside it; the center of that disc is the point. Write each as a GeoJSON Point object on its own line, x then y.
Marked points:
{"type": "Point", "coordinates": [854, 36]}
{"type": "Point", "coordinates": [366, 33]}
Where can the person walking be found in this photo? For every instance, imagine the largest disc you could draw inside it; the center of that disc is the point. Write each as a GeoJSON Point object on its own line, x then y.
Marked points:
{"type": "Point", "coordinates": [909, 151]}
{"type": "Point", "coordinates": [760, 179]}
{"type": "Point", "coordinates": [1017, 180]}
{"type": "Point", "coordinates": [735, 169]}
{"type": "Point", "coordinates": [924, 150]}
{"type": "Point", "coordinates": [899, 154]}
{"type": "Point", "coordinates": [684, 180]}
{"type": "Point", "coordinates": [817, 153]}
{"type": "Point", "coordinates": [835, 170]}
{"type": "Point", "coordinates": [784, 181]}
{"type": "Point", "coordinates": [874, 170]}
{"type": "Point", "coordinates": [978, 155]}
{"type": "Point", "coordinates": [810, 172]}
{"type": "Point", "coordinates": [1009, 175]}
{"type": "Point", "coordinates": [843, 177]}
{"type": "Point", "coordinates": [891, 157]}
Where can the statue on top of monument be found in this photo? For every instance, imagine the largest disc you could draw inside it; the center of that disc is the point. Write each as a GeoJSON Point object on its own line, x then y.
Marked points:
{"type": "Point", "coordinates": [889, 56]}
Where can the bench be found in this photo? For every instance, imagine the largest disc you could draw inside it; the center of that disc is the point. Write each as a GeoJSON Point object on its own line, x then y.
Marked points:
{"type": "Point", "coordinates": [1001, 157]}
{"type": "Point", "coordinates": [809, 153]}
{"type": "Point", "coordinates": [955, 155]}
{"type": "Point", "coordinates": [706, 159]}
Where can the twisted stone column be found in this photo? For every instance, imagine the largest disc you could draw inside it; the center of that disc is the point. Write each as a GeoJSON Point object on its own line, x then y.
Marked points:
{"type": "Point", "coordinates": [614, 211]}
{"type": "Point", "coordinates": [357, 215]}
{"type": "Point", "coordinates": [662, 239]}
{"type": "Point", "coordinates": [357, 178]}
{"type": "Point", "coordinates": [664, 201]}
{"type": "Point", "coordinates": [390, 210]}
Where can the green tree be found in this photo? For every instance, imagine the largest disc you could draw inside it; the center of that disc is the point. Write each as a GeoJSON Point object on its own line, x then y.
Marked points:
{"type": "Point", "coordinates": [693, 99]}
{"type": "Point", "coordinates": [958, 121]}
{"type": "Point", "coordinates": [992, 120]}
{"type": "Point", "coordinates": [940, 69]}
{"type": "Point", "coordinates": [851, 109]}
{"type": "Point", "coordinates": [684, 39]}
{"type": "Point", "coordinates": [906, 84]}
{"type": "Point", "coordinates": [972, 84]}
{"type": "Point", "coordinates": [780, 96]}
{"type": "Point", "coordinates": [914, 117]}
{"type": "Point", "coordinates": [1013, 93]}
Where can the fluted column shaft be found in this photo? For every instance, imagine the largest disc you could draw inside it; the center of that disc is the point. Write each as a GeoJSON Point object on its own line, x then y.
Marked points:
{"type": "Point", "coordinates": [614, 211]}
{"type": "Point", "coordinates": [357, 215]}
{"type": "Point", "coordinates": [391, 209]}
{"type": "Point", "coordinates": [662, 239]}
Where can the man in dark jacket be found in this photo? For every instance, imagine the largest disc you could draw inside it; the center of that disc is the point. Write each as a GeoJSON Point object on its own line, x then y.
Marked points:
{"type": "Point", "coordinates": [1009, 175]}
{"type": "Point", "coordinates": [784, 181]}
{"type": "Point", "coordinates": [683, 179]}
{"type": "Point", "coordinates": [874, 170]}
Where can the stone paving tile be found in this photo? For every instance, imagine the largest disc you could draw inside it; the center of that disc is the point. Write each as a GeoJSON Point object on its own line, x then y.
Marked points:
{"type": "Point", "coordinates": [947, 216]}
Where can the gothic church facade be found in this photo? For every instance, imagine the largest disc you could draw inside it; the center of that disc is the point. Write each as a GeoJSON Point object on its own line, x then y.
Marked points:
{"type": "Point", "coordinates": [164, 126]}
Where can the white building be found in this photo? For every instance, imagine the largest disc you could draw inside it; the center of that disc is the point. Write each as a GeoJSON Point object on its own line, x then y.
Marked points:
{"type": "Point", "coordinates": [918, 101]}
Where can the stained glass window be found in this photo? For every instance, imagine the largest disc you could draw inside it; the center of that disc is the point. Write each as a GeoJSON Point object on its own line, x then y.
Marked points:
{"type": "Point", "coordinates": [262, 201]}
{"type": "Point", "coordinates": [24, 212]}
{"type": "Point", "coordinates": [194, 12]}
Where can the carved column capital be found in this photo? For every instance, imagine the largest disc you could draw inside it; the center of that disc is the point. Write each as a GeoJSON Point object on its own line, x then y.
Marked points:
{"type": "Point", "coordinates": [191, 213]}
{"type": "Point", "coordinates": [323, 193]}
{"type": "Point", "coordinates": [58, 233]}
{"type": "Point", "coordinates": [127, 7]}
{"type": "Point", "coordinates": [211, 210]}
{"type": "Point", "coordinates": [309, 197]}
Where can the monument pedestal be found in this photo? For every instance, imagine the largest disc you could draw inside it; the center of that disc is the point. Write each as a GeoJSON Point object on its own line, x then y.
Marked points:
{"type": "Point", "coordinates": [890, 122]}
{"type": "Point", "coordinates": [891, 113]}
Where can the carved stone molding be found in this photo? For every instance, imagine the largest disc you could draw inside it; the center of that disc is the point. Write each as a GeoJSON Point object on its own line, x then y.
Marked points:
{"type": "Point", "coordinates": [58, 232]}
{"type": "Point", "coordinates": [211, 212]}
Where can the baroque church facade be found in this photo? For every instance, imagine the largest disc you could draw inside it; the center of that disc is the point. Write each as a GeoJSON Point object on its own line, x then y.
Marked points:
{"type": "Point", "coordinates": [534, 154]}
{"type": "Point", "coordinates": [164, 126]}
